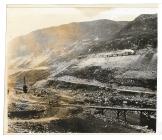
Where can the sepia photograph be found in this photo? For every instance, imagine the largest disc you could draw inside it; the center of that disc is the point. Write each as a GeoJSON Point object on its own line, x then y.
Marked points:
{"type": "Point", "coordinates": [81, 68]}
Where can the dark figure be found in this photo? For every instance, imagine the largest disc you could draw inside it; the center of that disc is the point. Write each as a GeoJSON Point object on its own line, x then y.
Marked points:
{"type": "Point", "coordinates": [25, 88]}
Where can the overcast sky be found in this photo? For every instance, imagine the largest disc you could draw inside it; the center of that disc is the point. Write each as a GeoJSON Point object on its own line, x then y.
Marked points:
{"type": "Point", "coordinates": [22, 20]}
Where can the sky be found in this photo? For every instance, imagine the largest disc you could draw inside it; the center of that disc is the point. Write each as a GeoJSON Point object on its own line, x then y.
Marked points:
{"type": "Point", "coordinates": [24, 19]}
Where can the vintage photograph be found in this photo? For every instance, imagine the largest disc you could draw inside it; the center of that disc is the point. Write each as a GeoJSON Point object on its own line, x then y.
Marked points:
{"type": "Point", "coordinates": [81, 68]}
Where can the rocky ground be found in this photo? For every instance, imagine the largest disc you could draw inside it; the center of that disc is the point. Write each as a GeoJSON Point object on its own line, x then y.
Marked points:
{"type": "Point", "coordinates": [40, 111]}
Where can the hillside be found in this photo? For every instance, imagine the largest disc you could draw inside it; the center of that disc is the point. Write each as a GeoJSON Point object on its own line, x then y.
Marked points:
{"type": "Point", "coordinates": [101, 73]}
{"type": "Point", "coordinates": [137, 34]}
{"type": "Point", "coordinates": [80, 49]}
{"type": "Point", "coordinates": [63, 39]}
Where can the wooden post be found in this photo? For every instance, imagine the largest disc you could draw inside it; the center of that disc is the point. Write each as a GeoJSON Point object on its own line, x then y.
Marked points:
{"type": "Point", "coordinates": [118, 114]}
{"type": "Point", "coordinates": [141, 118]}
{"type": "Point", "coordinates": [125, 117]}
